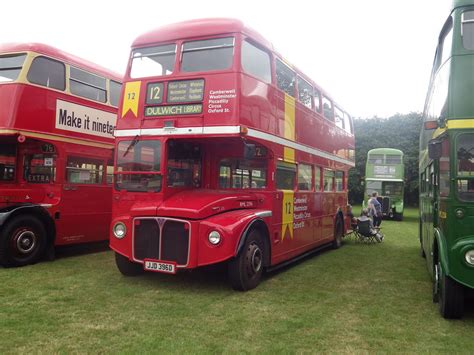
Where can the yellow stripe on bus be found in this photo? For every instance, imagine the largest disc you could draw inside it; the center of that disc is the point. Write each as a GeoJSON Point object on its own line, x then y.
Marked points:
{"type": "Point", "coordinates": [461, 123]}
{"type": "Point", "coordinates": [130, 98]}
{"type": "Point", "coordinates": [290, 109]}
{"type": "Point", "coordinates": [287, 215]}
{"type": "Point", "coordinates": [288, 155]}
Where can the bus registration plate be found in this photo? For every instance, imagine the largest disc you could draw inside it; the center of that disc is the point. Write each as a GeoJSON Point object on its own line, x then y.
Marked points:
{"type": "Point", "coordinates": [158, 266]}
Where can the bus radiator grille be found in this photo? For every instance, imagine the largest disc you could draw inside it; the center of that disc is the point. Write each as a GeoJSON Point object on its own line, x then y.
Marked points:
{"type": "Point", "coordinates": [161, 239]}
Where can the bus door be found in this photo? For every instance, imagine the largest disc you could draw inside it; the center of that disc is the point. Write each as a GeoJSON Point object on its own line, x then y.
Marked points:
{"type": "Point", "coordinates": [86, 202]}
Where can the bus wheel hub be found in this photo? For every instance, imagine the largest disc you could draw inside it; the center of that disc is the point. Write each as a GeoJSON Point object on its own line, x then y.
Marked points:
{"type": "Point", "coordinates": [25, 241]}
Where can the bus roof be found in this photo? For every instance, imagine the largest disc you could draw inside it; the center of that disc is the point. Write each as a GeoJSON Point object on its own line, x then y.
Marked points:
{"type": "Point", "coordinates": [460, 3]}
{"type": "Point", "coordinates": [60, 55]}
{"type": "Point", "coordinates": [198, 28]}
{"type": "Point", "coordinates": [212, 27]}
{"type": "Point", "coordinates": [385, 151]}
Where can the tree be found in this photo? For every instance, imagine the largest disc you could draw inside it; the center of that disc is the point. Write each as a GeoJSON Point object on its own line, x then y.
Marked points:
{"type": "Point", "coordinates": [399, 132]}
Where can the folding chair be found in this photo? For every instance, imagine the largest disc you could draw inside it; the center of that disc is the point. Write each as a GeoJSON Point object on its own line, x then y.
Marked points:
{"type": "Point", "coordinates": [364, 233]}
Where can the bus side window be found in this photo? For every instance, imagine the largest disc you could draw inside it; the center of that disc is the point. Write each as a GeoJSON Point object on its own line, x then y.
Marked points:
{"type": "Point", "coordinates": [305, 177]}
{"type": "Point", "coordinates": [47, 72]}
{"type": "Point", "coordinates": [328, 180]}
{"type": "Point", "coordinates": [328, 109]}
{"type": "Point", "coordinates": [285, 77]}
{"type": "Point", "coordinates": [305, 93]}
{"type": "Point", "coordinates": [317, 178]}
{"type": "Point", "coordinates": [256, 62]}
{"type": "Point", "coordinates": [339, 117]}
{"type": "Point", "coordinates": [7, 162]}
{"type": "Point", "coordinates": [110, 172]}
{"type": "Point", "coordinates": [115, 89]}
{"type": "Point", "coordinates": [339, 181]}
{"type": "Point", "coordinates": [82, 170]}
{"type": "Point", "coordinates": [88, 85]}
{"type": "Point", "coordinates": [285, 176]}
{"type": "Point", "coordinates": [317, 101]}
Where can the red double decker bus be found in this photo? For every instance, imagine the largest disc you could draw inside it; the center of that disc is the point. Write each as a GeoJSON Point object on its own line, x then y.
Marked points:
{"type": "Point", "coordinates": [225, 152]}
{"type": "Point", "coordinates": [57, 116]}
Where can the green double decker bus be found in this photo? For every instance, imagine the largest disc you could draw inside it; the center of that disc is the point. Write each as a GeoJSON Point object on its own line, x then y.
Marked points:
{"type": "Point", "coordinates": [447, 164]}
{"type": "Point", "coordinates": [384, 174]}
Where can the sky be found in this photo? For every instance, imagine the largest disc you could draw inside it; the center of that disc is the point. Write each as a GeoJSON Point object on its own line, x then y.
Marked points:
{"type": "Point", "coordinates": [374, 57]}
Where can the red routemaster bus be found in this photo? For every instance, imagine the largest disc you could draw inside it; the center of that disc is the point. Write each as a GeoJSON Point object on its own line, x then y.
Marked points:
{"type": "Point", "coordinates": [57, 116]}
{"type": "Point", "coordinates": [225, 152]}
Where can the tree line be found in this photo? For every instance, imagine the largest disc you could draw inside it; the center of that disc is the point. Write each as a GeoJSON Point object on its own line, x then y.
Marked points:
{"type": "Point", "coordinates": [399, 132]}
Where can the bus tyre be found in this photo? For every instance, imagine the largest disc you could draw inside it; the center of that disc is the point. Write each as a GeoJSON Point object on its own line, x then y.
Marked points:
{"type": "Point", "coordinates": [126, 267]}
{"type": "Point", "coordinates": [245, 270]}
{"type": "Point", "coordinates": [338, 234]}
{"type": "Point", "coordinates": [451, 296]}
{"type": "Point", "coordinates": [22, 242]}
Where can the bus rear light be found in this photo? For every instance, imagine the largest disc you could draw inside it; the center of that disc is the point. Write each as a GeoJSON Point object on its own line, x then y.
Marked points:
{"type": "Point", "coordinates": [119, 230]}
{"type": "Point", "coordinates": [431, 125]}
{"type": "Point", "coordinates": [469, 256]}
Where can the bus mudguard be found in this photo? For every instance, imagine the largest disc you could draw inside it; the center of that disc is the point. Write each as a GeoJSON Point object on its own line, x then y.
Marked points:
{"type": "Point", "coordinates": [233, 228]}
{"type": "Point", "coordinates": [8, 212]}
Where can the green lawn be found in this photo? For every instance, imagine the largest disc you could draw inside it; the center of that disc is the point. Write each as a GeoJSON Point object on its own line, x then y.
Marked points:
{"type": "Point", "coordinates": [360, 298]}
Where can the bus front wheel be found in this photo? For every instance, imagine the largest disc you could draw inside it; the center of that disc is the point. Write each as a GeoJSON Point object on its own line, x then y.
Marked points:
{"type": "Point", "coordinates": [22, 242]}
{"type": "Point", "coordinates": [126, 267]}
{"type": "Point", "coordinates": [245, 270]}
{"type": "Point", "coordinates": [450, 295]}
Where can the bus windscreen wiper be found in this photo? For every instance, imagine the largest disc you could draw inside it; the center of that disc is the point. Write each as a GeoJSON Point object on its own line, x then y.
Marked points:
{"type": "Point", "coordinates": [133, 143]}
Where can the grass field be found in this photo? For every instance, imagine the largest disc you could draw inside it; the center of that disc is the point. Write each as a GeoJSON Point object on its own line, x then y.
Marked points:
{"type": "Point", "coordinates": [360, 298]}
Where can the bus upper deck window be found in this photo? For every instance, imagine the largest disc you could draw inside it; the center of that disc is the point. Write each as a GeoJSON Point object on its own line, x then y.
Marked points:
{"type": "Point", "coordinates": [47, 72]}
{"type": "Point", "coordinates": [153, 61]}
{"type": "Point", "coordinates": [467, 29]}
{"type": "Point", "coordinates": [256, 62]}
{"type": "Point", "coordinates": [88, 85]}
{"type": "Point", "coordinates": [285, 77]}
{"type": "Point", "coordinates": [328, 109]}
{"type": "Point", "coordinates": [10, 66]}
{"type": "Point", "coordinates": [206, 55]}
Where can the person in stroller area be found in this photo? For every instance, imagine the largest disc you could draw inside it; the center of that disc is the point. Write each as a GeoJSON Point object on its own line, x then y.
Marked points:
{"type": "Point", "coordinates": [374, 231]}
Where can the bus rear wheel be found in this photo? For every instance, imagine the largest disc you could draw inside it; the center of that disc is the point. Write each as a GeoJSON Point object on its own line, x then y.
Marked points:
{"type": "Point", "coordinates": [23, 241]}
{"type": "Point", "coordinates": [245, 270]}
{"type": "Point", "coordinates": [126, 267]}
{"type": "Point", "coordinates": [450, 296]}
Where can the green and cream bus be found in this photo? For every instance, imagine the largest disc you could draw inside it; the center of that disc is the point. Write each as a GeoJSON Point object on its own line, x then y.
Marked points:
{"type": "Point", "coordinates": [447, 164]}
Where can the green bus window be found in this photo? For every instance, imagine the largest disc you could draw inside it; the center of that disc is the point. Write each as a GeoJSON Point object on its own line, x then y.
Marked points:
{"type": "Point", "coordinates": [467, 30]}
{"type": "Point", "coordinates": [465, 166]}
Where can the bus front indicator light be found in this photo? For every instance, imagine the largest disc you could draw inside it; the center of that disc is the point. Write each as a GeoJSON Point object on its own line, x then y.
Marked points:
{"type": "Point", "coordinates": [214, 237]}
{"type": "Point", "coordinates": [469, 256]}
{"type": "Point", "coordinates": [119, 230]}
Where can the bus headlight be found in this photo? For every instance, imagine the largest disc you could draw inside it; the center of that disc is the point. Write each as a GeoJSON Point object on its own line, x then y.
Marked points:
{"type": "Point", "coordinates": [469, 256]}
{"type": "Point", "coordinates": [214, 237]}
{"type": "Point", "coordinates": [119, 230]}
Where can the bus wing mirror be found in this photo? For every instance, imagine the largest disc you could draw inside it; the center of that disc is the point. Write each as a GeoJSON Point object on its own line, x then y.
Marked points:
{"type": "Point", "coordinates": [249, 151]}
{"type": "Point", "coordinates": [434, 149]}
